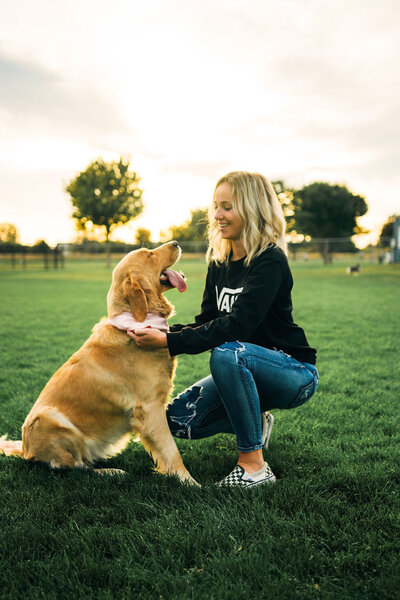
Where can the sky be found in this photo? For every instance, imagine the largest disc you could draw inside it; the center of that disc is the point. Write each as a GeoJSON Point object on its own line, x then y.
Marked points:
{"type": "Point", "coordinates": [299, 90]}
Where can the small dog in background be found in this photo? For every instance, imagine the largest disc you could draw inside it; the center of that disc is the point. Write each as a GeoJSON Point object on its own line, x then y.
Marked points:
{"type": "Point", "coordinates": [354, 270]}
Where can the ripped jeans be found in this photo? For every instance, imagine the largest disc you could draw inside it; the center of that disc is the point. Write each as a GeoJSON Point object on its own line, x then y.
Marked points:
{"type": "Point", "coordinates": [245, 381]}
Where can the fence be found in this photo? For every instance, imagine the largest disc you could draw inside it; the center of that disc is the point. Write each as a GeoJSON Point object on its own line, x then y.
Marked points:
{"type": "Point", "coordinates": [326, 249]}
{"type": "Point", "coordinates": [20, 256]}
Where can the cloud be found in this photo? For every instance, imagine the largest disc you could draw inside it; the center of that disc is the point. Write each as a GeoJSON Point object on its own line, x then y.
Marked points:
{"type": "Point", "coordinates": [48, 103]}
{"type": "Point", "coordinates": [207, 169]}
{"type": "Point", "coordinates": [297, 89]}
{"type": "Point", "coordinates": [16, 77]}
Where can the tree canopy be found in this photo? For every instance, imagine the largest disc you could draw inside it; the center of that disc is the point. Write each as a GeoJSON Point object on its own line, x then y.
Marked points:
{"type": "Point", "coordinates": [326, 211]}
{"type": "Point", "coordinates": [193, 230]}
{"type": "Point", "coordinates": [105, 194]}
{"type": "Point", "coordinates": [387, 231]}
{"type": "Point", "coordinates": [322, 210]}
{"type": "Point", "coordinates": [143, 236]}
{"type": "Point", "coordinates": [285, 197]}
{"type": "Point", "coordinates": [8, 233]}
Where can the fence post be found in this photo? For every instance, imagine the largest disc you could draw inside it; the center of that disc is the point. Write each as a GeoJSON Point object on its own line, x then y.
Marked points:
{"type": "Point", "coordinates": [13, 258]}
{"type": "Point", "coordinates": [55, 257]}
{"type": "Point", "coordinates": [46, 258]}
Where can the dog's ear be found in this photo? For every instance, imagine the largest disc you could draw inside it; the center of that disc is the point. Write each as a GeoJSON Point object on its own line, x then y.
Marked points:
{"type": "Point", "coordinates": [136, 298]}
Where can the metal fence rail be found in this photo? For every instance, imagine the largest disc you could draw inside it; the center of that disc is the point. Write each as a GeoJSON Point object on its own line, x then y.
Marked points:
{"type": "Point", "coordinates": [326, 249]}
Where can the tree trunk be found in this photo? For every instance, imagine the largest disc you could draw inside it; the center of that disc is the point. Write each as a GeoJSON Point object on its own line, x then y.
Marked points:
{"type": "Point", "coordinates": [324, 251]}
{"type": "Point", "coordinates": [108, 250]}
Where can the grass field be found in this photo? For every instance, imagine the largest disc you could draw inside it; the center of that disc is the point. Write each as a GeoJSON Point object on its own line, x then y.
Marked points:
{"type": "Point", "coordinates": [328, 529]}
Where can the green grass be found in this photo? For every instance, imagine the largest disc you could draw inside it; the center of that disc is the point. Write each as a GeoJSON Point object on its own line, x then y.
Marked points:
{"type": "Point", "coordinates": [328, 529]}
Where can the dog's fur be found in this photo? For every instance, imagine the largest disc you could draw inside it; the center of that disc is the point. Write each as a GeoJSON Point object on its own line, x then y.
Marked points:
{"type": "Point", "coordinates": [110, 388]}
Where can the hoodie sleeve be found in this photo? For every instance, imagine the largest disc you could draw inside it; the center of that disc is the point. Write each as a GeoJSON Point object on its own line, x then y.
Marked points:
{"type": "Point", "coordinates": [249, 310]}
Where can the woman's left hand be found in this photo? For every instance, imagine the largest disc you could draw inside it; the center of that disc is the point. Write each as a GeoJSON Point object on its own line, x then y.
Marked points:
{"type": "Point", "coordinates": [149, 338]}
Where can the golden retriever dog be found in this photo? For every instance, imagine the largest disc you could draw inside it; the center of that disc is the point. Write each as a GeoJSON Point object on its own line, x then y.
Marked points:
{"type": "Point", "coordinates": [110, 389]}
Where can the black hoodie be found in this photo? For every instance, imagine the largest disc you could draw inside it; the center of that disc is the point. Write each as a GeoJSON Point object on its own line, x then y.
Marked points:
{"type": "Point", "coordinates": [248, 304]}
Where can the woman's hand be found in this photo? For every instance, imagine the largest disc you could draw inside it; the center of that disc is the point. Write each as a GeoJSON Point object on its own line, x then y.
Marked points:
{"type": "Point", "coordinates": [149, 338]}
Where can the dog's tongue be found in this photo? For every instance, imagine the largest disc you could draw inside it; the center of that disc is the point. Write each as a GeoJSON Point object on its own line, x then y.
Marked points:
{"type": "Point", "coordinates": [176, 279]}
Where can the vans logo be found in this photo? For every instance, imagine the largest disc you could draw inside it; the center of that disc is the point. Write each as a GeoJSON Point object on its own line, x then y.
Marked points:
{"type": "Point", "coordinates": [226, 298]}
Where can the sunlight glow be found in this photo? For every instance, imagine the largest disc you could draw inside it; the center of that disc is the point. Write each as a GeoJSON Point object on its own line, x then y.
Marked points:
{"type": "Point", "coordinates": [191, 91]}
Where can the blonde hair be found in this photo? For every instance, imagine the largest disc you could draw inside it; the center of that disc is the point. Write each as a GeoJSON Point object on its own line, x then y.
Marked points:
{"type": "Point", "coordinates": [255, 202]}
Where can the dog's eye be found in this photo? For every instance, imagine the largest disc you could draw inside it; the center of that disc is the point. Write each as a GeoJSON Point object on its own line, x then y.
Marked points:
{"type": "Point", "coordinates": [150, 254]}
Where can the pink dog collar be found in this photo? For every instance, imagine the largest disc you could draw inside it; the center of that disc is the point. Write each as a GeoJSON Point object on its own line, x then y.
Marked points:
{"type": "Point", "coordinates": [127, 322]}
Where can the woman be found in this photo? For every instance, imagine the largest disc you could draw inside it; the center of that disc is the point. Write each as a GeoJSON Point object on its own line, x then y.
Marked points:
{"type": "Point", "coordinates": [260, 358]}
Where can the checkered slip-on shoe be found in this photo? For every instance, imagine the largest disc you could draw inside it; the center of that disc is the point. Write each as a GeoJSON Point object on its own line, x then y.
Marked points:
{"type": "Point", "coordinates": [267, 422]}
{"type": "Point", "coordinates": [240, 477]}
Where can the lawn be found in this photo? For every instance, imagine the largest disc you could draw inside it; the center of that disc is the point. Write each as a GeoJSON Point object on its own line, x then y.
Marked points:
{"type": "Point", "coordinates": [328, 529]}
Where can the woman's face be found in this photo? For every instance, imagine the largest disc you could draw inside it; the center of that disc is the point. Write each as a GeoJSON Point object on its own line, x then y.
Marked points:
{"type": "Point", "coordinates": [229, 223]}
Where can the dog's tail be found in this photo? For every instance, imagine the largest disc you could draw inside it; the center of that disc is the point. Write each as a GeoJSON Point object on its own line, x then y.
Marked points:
{"type": "Point", "coordinates": [10, 447]}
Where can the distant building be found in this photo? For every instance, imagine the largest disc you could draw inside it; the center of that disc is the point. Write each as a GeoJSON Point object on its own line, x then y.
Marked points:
{"type": "Point", "coordinates": [395, 242]}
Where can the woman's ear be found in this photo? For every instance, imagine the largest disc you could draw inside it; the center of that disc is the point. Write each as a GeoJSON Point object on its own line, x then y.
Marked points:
{"type": "Point", "coordinates": [136, 298]}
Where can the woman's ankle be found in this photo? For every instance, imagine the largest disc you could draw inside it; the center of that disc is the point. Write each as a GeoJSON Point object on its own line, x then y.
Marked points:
{"type": "Point", "coordinates": [251, 461]}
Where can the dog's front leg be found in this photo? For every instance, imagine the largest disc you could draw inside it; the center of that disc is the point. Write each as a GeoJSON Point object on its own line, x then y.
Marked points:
{"type": "Point", "coordinates": [159, 443]}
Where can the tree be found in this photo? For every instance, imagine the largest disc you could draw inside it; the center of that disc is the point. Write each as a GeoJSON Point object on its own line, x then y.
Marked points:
{"type": "Point", "coordinates": [8, 233]}
{"type": "Point", "coordinates": [143, 236]}
{"type": "Point", "coordinates": [193, 230]}
{"type": "Point", "coordinates": [387, 231]}
{"type": "Point", "coordinates": [41, 247]}
{"type": "Point", "coordinates": [106, 195]}
{"type": "Point", "coordinates": [322, 210]}
{"type": "Point", "coordinates": [285, 197]}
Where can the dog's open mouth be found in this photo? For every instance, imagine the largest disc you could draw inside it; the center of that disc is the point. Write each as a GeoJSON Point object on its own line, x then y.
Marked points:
{"type": "Point", "coordinates": [176, 280]}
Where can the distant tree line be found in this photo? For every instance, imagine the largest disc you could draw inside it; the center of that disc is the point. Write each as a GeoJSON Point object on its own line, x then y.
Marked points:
{"type": "Point", "coordinates": [106, 195]}
{"type": "Point", "coordinates": [319, 211]}
{"type": "Point", "coordinates": [9, 241]}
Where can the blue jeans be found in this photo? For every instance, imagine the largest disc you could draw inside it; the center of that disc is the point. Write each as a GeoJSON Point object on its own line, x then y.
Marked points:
{"type": "Point", "coordinates": [245, 380]}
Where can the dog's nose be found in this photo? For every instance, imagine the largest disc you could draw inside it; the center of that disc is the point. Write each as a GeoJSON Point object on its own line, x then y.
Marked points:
{"type": "Point", "coordinates": [175, 243]}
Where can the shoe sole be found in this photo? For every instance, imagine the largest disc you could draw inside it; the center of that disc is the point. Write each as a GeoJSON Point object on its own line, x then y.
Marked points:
{"type": "Point", "coordinates": [269, 480]}
{"type": "Point", "coordinates": [249, 484]}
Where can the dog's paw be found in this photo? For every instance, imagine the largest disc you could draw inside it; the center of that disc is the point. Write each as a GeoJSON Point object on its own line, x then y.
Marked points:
{"type": "Point", "coordinates": [189, 480]}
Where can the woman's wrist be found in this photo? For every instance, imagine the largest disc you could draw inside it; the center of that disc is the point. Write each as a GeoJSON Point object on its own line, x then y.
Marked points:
{"type": "Point", "coordinates": [165, 341]}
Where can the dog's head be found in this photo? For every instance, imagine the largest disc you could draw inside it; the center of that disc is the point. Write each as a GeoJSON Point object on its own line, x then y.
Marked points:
{"type": "Point", "coordinates": [141, 277]}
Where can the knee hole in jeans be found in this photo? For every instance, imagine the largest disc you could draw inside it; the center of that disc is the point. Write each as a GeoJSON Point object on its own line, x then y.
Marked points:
{"type": "Point", "coordinates": [304, 394]}
{"type": "Point", "coordinates": [226, 353]}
